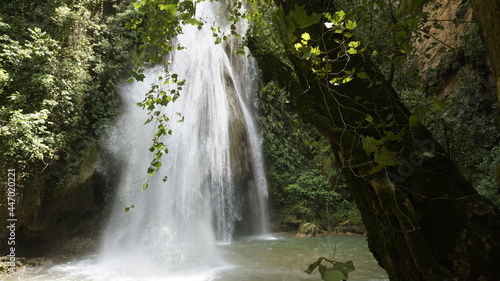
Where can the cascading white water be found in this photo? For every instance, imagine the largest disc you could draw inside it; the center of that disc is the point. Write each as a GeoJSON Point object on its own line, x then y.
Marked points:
{"type": "Point", "coordinates": [216, 184]}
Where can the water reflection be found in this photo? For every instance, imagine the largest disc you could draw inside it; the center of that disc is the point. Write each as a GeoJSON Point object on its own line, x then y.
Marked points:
{"type": "Point", "coordinates": [285, 257]}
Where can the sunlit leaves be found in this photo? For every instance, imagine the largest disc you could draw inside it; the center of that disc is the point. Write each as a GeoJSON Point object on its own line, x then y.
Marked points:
{"type": "Point", "coordinates": [353, 45]}
{"type": "Point", "coordinates": [336, 18]}
{"type": "Point", "coordinates": [171, 8]}
{"type": "Point", "coordinates": [322, 60]}
{"type": "Point", "coordinates": [351, 25]}
{"type": "Point", "coordinates": [160, 22]}
{"type": "Point", "coordinates": [304, 49]}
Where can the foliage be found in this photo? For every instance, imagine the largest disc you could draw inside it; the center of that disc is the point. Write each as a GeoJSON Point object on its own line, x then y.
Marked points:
{"type": "Point", "coordinates": [305, 183]}
{"type": "Point", "coordinates": [331, 57]}
{"type": "Point", "coordinates": [158, 22]}
{"type": "Point", "coordinates": [464, 121]}
{"type": "Point", "coordinates": [59, 65]}
{"type": "Point", "coordinates": [337, 272]}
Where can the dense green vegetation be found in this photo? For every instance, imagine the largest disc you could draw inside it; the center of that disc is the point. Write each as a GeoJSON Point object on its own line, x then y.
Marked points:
{"type": "Point", "coordinates": [60, 65]}
{"type": "Point", "coordinates": [467, 125]}
{"type": "Point", "coordinates": [461, 72]}
{"type": "Point", "coordinates": [306, 184]}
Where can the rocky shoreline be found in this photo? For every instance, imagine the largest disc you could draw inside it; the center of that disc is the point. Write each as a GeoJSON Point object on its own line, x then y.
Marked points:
{"type": "Point", "coordinates": [311, 230]}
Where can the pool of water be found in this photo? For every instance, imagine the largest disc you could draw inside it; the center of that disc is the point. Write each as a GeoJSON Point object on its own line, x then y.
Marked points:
{"type": "Point", "coordinates": [278, 257]}
{"type": "Point", "coordinates": [285, 257]}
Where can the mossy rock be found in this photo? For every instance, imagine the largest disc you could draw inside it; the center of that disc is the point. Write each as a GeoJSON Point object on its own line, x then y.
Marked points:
{"type": "Point", "coordinates": [349, 227]}
{"type": "Point", "coordinates": [308, 230]}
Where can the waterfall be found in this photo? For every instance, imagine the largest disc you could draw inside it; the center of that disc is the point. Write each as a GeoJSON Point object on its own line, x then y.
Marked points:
{"type": "Point", "coordinates": [216, 186]}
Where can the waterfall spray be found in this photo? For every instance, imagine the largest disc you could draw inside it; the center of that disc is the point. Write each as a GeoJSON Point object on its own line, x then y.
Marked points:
{"type": "Point", "coordinates": [216, 185]}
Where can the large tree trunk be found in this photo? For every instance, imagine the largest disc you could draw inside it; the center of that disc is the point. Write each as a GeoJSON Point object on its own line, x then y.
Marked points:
{"type": "Point", "coordinates": [487, 15]}
{"type": "Point", "coordinates": [424, 220]}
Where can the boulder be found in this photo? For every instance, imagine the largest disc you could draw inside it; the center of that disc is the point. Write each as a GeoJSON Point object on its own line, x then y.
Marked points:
{"type": "Point", "coordinates": [308, 230]}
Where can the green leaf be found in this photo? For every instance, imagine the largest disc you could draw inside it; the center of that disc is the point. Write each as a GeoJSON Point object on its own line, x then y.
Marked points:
{"type": "Point", "coordinates": [375, 169]}
{"type": "Point", "coordinates": [418, 114]}
{"type": "Point", "coordinates": [306, 36]}
{"type": "Point", "coordinates": [386, 157]}
{"type": "Point", "coordinates": [344, 267]}
{"type": "Point", "coordinates": [151, 171]}
{"type": "Point", "coordinates": [157, 164]}
{"type": "Point", "coordinates": [171, 8]}
{"type": "Point", "coordinates": [351, 24]}
{"type": "Point", "coordinates": [354, 44]}
{"type": "Point", "coordinates": [370, 144]}
{"type": "Point", "coordinates": [347, 79]}
{"type": "Point", "coordinates": [302, 19]}
{"type": "Point", "coordinates": [129, 208]}
{"type": "Point", "coordinates": [338, 17]}
{"type": "Point", "coordinates": [362, 75]}
{"type": "Point", "coordinates": [413, 120]}
{"type": "Point", "coordinates": [333, 275]}
{"type": "Point", "coordinates": [428, 154]}
{"type": "Point", "coordinates": [352, 51]}
{"type": "Point", "coordinates": [315, 51]}
{"type": "Point", "coordinates": [313, 266]}
{"type": "Point", "coordinates": [322, 269]}
{"type": "Point", "coordinates": [390, 136]}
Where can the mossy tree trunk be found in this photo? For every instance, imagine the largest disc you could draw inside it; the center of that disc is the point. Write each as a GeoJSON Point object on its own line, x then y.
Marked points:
{"type": "Point", "coordinates": [424, 220]}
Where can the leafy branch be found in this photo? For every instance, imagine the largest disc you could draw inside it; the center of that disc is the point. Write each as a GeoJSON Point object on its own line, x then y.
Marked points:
{"type": "Point", "coordinates": [338, 271]}
{"type": "Point", "coordinates": [159, 23]}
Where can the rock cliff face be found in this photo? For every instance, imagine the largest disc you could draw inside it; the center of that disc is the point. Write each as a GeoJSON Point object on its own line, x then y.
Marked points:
{"type": "Point", "coordinates": [55, 206]}
{"type": "Point", "coordinates": [451, 17]}
{"type": "Point", "coordinates": [440, 48]}
{"type": "Point", "coordinates": [456, 67]}
{"type": "Point", "coordinates": [487, 13]}
{"type": "Point", "coordinates": [447, 22]}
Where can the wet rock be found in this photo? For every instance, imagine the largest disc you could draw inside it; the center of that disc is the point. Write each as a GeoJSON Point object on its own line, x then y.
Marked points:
{"type": "Point", "coordinates": [308, 230]}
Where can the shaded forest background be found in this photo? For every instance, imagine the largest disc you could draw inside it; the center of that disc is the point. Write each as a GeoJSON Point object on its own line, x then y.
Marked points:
{"type": "Point", "coordinates": [61, 63]}
{"type": "Point", "coordinates": [435, 61]}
